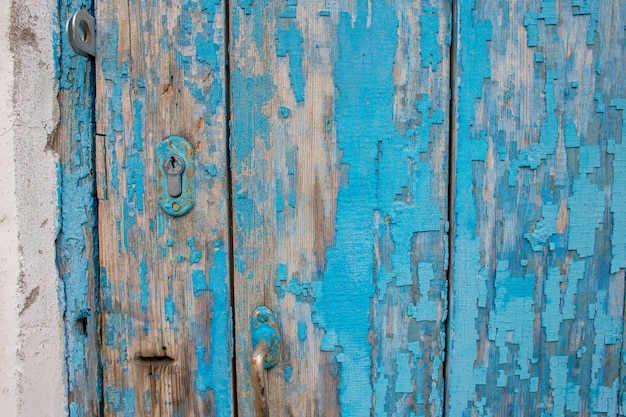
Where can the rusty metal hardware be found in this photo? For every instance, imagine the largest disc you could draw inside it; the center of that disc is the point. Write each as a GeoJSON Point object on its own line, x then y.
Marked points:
{"type": "Point", "coordinates": [266, 354]}
{"type": "Point", "coordinates": [175, 176]}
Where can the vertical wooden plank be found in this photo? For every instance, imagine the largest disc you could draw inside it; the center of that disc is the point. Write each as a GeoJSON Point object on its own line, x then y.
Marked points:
{"type": "Point", "coordinates": [538, 263]}
{"type": "Point", "coordinates": [166, 338]}
{"type": "Point", "coordinates": [77, 248]}
{"type": "Point", "coordinates": [339, 150]}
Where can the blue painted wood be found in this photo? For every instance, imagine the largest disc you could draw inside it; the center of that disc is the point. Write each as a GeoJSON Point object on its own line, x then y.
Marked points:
{"type": "Point", "coordinates": [165, 281]}
{"type": "Point", "coordinates": [339, 150]}
{"type": "Point", "coordinates": [340, 195]}
{"type": "Point", "coordinates": [77, 254]}
{"type": "Point", "coordinates": [536, 323]}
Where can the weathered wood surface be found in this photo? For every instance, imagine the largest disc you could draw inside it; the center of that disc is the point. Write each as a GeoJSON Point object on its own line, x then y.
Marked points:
{"type": "Point", "coordinates": [339, 149]}
{"type": "Point", "coordinates": [77, 256]}
{"type": "Point", "coordinates": [539, 239]}
{"type": "Point", "coordinates": [166, 324]}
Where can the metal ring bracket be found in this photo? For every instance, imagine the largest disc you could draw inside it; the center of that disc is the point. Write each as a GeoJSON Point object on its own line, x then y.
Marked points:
{"type": "Point", "coordinates": [81, 33]}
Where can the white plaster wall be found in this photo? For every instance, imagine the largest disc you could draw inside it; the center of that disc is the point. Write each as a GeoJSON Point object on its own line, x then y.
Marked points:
{"type": "Point", "coordinates": [9, 264]}
{"type": "Point", "coordinates": [31, 330]}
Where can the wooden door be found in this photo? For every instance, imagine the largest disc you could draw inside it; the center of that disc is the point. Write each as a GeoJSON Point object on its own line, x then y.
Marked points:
{"type": "Point", "coordinates": [537, 283]}
{"type": "Point", "coordinates": [165, 280]}
{"type": "Point", "coordinates": [340, 166]}
{"type": "Point", "coordinates": [329, 145]}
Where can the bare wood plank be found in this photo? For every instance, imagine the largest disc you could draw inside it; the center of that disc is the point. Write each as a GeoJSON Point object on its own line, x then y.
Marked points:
{"type": "Point", "coordinates": [339, 149]}
{"type": "Point", "coordinates": [165, 280]}
{"type": "Point", "coordinates": [538, 264]}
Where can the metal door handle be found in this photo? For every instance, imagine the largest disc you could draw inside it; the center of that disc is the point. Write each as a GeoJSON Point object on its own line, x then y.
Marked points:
{"type": "Point", "coordinates": [265, 355]}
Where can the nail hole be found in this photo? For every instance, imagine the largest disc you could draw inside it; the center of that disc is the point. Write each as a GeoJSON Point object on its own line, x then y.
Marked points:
{"type": "Point", "coordinates": [81, 325]}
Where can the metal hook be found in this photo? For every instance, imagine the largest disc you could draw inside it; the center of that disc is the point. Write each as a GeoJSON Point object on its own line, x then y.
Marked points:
{"type": "Point", "coordinates": [266, 354]}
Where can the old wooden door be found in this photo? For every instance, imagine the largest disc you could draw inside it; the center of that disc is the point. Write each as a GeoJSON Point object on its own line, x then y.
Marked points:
{"type": "Point", "coordinates": [340, 163]}
{"type": "Point", "coordinates": [537, 282]}
{"type": "Point", "coordinates": [322, 136]}
{"type": "Point", "coordinates": [339, 145]}
{"type": "Point", "coordinates": [165, 278]}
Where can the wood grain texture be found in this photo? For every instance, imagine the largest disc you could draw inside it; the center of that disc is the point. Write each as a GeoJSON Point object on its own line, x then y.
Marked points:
{"type": "Point", "coordinates": [538, 263]}
{"type": "Point", "coordinates": [166, 323]}
{"type": "Point", "coordinates": [339, 149]}
{"type": "Point", "coordinates": [77, 246]}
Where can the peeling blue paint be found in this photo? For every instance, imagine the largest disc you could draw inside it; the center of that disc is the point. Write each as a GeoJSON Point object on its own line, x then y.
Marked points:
{"type": "Point", "coordinates": [572, 140]}
{"type": "Point", "coordinates": [255, 92]}
{"type": "Point", "coordinates": [195, 255]}
{"type": "Point", "coordinates": [302, 331]}
{"type": "Point", "coordinates": [388, 189]}
{"type": "Point", "coordinates": [600, 106]}
{"type": "Point", "coordinates": [380, 389]}
{"type": "Point", "coordinates": [169, 309]}
{"type": "Point", "coordinates": [77, 234]}
{"type": "Point", "coordinates": [544, 229]}
{"type": "Point", "coordinates": [147, 403]}
{"type": "Point", "coordinates": [429, 44]}
{"type": "Point", "coordinates": [551, 317]}
{"type": "Point", "coordinates": [549, 12]}
{"type": "Point", "coordinates": [558, 378]}
{"type": "Point", "coordinates": [425, 309]}
{"type": "Point", "coordinates": [474, 66]}
{"type": "Point", "coordinates": [403, 381]}
{"type": "Point", "coordinates": [608, 331]}
{"type": "Point", "coordinates": [530, 157]}
{"type": "Point", "coordinates": [530, 22]}
{"type": "Point", "coordinates": [283, 112]}
{"type": "Point", "coordinates": [289, 41]}
{"type": "Point", "coordinates": [550, 125]}
{"type": "Point", "coordinates": [348, 286]}
{"type": "Point", "coordinates": [214, 374]}
{"type": "Point", "coordinates": [618, 195]}
{"type": "Point", "coordinates": [198, 280]}
{"type": "Point", "coordinates": [586, 206]}
{"type": "Point", "coordinates": [145, 291]}
{"type": "Point", "coordinates": [591, 8]}
{"type": "Point", "coordinates": [514, 298]}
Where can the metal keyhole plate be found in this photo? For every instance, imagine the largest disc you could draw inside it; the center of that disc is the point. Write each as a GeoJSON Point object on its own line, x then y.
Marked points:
{"type": "Point", "coordinates": [175, 176]}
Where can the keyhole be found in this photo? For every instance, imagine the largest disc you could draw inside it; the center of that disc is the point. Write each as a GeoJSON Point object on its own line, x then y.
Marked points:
{"type": "Point", "coordinates": [174, 166]}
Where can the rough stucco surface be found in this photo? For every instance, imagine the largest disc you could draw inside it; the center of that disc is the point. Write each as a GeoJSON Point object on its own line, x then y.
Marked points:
{"type": "Point", "coordinates": [31, 331]}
